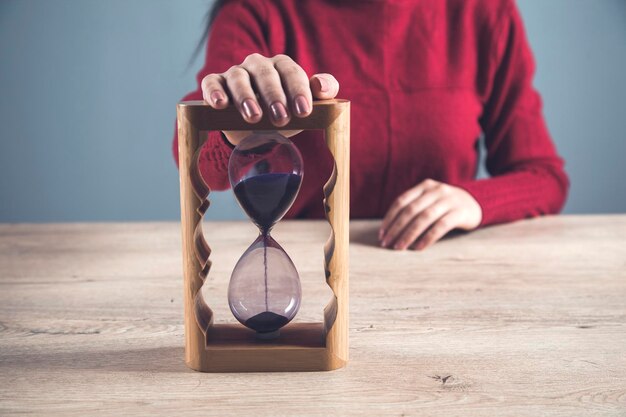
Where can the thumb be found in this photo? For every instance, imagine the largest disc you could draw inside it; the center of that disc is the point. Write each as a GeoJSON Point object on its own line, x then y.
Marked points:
{"type": "Point", "coordinates": [324, 86]}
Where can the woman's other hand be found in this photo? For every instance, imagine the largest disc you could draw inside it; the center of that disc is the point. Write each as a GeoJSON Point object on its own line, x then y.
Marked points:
{"type": "Point", "coordinates": [425, 213]}
{"type": "Point", "coordinates": [276, 85]}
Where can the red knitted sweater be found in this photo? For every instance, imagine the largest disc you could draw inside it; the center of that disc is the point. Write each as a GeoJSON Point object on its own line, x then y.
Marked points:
{"type": "Point", "coordinates": [425, 78]}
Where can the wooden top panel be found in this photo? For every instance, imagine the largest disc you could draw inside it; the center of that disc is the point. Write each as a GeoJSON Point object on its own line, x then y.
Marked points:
{"type": "Point", "coordinates": [204, 117]}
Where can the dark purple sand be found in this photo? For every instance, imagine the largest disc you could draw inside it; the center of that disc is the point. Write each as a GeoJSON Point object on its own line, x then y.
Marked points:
{"type": "Point", "coordinates": [266, 322]}
{"type": "Point", "coordinates": [267, 197]}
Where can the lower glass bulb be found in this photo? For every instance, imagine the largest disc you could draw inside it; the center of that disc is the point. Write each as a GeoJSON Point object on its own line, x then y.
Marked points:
{"type": "Point", "coordinates": [264, 293]}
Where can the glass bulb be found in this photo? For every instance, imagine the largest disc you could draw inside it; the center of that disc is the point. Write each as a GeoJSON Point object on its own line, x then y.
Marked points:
{"type": "Point", "coordinates": [264, 292]}
{"type": "Point", "coordinates": [265, 172]}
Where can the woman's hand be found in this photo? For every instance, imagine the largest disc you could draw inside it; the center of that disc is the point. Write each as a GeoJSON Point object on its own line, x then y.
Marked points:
{"type": "Point", "coordinates": [277, 85]}
{"type": "Point", "coordinates": [425, 213]}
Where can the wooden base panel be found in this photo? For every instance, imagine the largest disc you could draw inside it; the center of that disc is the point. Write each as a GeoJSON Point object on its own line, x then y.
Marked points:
{"type": "Point", "coordinates": [300, 347]}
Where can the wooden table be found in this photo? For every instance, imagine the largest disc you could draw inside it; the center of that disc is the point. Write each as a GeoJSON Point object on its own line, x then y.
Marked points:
{"type": "Point", "coordinates": [526, 319]}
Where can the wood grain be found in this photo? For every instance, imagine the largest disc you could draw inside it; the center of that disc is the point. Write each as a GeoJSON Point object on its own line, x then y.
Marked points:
{"type": "Point", "coordinates": [525, 319]}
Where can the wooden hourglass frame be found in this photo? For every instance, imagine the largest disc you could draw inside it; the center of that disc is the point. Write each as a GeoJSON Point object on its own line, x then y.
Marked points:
{"type": "Point", "coordinates": [220, 347]}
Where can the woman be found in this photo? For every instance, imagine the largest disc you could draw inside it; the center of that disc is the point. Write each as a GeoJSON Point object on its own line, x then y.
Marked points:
{"type": "Point", "coordinates": [425, 78]}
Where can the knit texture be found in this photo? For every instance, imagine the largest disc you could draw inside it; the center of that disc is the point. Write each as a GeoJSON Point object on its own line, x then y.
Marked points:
{"type": "Point", "coordinates": [425, 78]}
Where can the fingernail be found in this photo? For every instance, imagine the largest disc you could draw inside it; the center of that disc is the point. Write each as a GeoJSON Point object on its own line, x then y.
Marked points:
{"type": "Point", "coordinates": [383, 243]}
{"type": "Point", "coordinates": [217, 97]}
{"type": "Point", "coordinates": [279, 112]}
{"type": "Point", "coordinates": [324, 87]}
{"type": "Point", "coordinates": [302, 105]}
{"type": "Point", "coordinates": [398, 246]}
{"type": "Point", "coordinates": [250, 108]}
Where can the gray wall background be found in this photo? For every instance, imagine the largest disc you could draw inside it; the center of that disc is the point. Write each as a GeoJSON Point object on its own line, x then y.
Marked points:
{"type": "Point", "coordinates": [88, 91]}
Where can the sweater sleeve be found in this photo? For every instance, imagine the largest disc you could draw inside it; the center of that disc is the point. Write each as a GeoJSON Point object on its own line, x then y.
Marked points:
{"type": "Point", "coordinates": [527, 176]}
{"type": "Point", "coordinates": [236, 32]}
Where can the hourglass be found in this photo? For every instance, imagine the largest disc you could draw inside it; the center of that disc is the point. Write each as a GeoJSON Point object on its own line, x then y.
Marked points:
{"type": "Point", "coordinates": [265, 172]}
{"type": "Point", "coordinates": [264, 293]}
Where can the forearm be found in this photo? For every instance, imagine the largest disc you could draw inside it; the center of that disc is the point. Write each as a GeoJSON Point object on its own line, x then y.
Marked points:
{"type": "Point", "coordinates": [530, 192]}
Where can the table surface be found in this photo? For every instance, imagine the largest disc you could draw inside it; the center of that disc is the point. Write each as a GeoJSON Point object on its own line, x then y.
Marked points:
{"type": "Point", "coordinates": [525, 319]}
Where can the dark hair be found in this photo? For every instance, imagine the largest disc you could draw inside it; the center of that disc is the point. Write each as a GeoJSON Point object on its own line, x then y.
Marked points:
{"type": "Point", "coordinates": [208, 21]}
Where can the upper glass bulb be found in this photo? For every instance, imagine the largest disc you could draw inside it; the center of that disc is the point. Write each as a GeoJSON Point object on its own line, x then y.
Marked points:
{"type": "Point", "coordinates": [265, 172]}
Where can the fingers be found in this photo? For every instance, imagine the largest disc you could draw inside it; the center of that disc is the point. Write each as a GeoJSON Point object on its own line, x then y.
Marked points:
{"type": "Point", "coordinates": [419, 224]}
{"type": "Point", "coordinates": [268, 85]}
{"type": "Point", "coordinates": [401, 202]}
{"type": "Point", "coordinates": [324, 86]}
{"type": "Point", "coordinates": [439, 229]}
{"type": "Point", "coordinates": [404, 209]}
{"type": "Point", "coordinates": [426, 212]}
{"type": "Point", "coordinates": [406, 216]}
{"type": "Point", "coordinates": [213, 91]}
{"type": "Point", "coordinates": [238, 83]}
{"type": "Point", "coordinates": [277, 85]}
{"type": "Point", "coordinates": [296, 85]}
